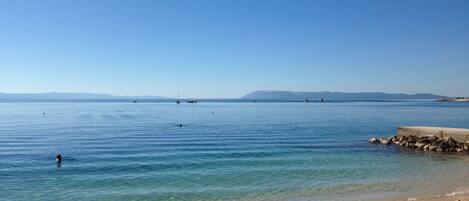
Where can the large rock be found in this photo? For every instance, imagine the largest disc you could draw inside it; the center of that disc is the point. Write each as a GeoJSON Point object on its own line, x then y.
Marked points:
{"type": "Point", "coordinates": [420, 145]}
{"type": "Point", "coordinates": [385, 141]}
{"type": "Point", "coordinates": [412, 139]}
{"type": "Point", "coordinates": [426, 147]}
{"type": "Point", "coordinates": [432, 138]}
{"type": "Point", "coordinates": [444, 145]}
{"type": "Point", "coordinates": [374, 140]}
{"type": "Point", "coordinates": [432, 147]}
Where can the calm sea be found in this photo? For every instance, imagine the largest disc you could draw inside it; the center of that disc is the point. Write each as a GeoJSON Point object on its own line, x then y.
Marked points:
{"type": "Point", "coordinates": [223, 151]}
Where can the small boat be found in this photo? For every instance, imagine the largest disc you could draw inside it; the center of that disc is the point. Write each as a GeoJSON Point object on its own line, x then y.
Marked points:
{"type": "Point", "coordinates": [192, 101]}
{"type": "Point", "coordinates": [178, 101]}
{"type": "Point", "coordinates": [134, 101]}
{"type": "Point", "coordinates": [322, 100]}
{"type": "Point", "coordinates": [306, 100]}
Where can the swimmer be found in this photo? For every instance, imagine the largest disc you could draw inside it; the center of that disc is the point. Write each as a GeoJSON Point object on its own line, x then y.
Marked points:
{"type": "Point", "coordinates": [58, 158]}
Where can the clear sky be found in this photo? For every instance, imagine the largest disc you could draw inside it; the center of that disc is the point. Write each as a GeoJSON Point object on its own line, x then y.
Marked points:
{"type": "Point", "coordinates": [225, 49]}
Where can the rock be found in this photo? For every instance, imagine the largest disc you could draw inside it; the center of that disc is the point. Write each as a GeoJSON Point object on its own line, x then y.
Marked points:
{"type": "Point", "coordinates": [432, 147]}
{"type": "Point", "coordinates": [426, 146]}
{"type": "Point", "coordinates": [443, 145]}
{"type": "Point", "coordinates": [424, 141]}
{"type": "Point", "coordinates": [385, 141]}
{"type": "Point", "coordinates": [450, 141]}
{"type": "Point", "coordinates": [420, 145]}
{"type": "Point", "coordinates": [373, 140]}
{"type": "Point", "coordinates": [410, 145]}
{"type": "Point", "coordinates": [393, 139]}
{"type": "Point", "coordinates": [412, 139]}
{"type": "Point", "coordinates": [432, 138]}
{"type": "Point", "coordinates": [428, 142]}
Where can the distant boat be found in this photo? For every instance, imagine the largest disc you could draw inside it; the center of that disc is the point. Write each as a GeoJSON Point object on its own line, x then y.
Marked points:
{"type": "Point", "coordinates": [178, 101]}
{"type": "Point", "coordinates": [322, 100]}
{"type": "Point", "coordinates": [134, 101]}
{"type": "Point", "coordinates": [306, 100]}
{"type": "Point", "coordinates": [192, 101]}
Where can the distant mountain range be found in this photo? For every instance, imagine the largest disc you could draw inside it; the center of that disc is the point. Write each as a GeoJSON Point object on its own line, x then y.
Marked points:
{"type": "Point", "coordinates": [70, 96]}
{"type": "Point", "coordinates": [290, 95]}
{"type": "Point", "coordinates": [259, 95]}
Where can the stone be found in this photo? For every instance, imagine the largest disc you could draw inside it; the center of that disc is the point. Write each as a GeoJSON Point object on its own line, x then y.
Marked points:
{"type": "Point", "coordinates": [420, 145]}
{"type": "Point", "coordinates": [432, 147]}
{"type": "Point", "coordinates": [424, 141]}
{"type": "Point", "coordinates": [373, 140]}
{"type": "Point", "coordinates": [385, 141]}
{"type": "Point", "coordinates": [410, 145]}
{"type": "Point", "coordinates": [444, 145]}
{"type": "Point", "coordinates": [427, 142]}
{"type": "Point", "coordinates": [412, 139]}
{"type": "Point", "coordinates": [432, 138]}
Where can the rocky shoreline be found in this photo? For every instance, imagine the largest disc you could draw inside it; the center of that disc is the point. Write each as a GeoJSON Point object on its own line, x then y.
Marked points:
{"type": "Point", "coordinates": [426, 143]}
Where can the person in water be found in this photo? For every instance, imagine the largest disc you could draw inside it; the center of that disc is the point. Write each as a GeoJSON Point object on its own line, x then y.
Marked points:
{"type": "Point", "coordinates": [58, 158]}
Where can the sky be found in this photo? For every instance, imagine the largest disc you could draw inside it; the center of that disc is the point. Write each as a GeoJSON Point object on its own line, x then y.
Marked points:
{"type": "Point", "coordinates": [228, 48]}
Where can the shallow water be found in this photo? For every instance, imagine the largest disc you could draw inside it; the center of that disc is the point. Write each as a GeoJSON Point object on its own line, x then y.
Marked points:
{"type": "Point", "coordinates": [224, 151]}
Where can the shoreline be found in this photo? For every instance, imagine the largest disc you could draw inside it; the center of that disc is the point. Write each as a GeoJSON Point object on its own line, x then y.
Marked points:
{"type": "Point", "coordinates": [459, 194]}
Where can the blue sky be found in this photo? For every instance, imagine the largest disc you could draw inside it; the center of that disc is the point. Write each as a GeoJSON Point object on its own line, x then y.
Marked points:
{"type": "Point", "coordinates": [225, 49]}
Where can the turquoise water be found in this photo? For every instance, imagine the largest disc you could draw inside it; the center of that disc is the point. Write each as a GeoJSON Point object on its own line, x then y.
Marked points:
{"type": "Point", "coordinates": [224, 151]}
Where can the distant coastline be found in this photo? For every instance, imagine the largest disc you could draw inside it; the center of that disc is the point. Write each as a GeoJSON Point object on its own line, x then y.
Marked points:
{"type": "Point", "coordinates": [257, 96]}
{"type": "Point", "coordinates": [327, 95]}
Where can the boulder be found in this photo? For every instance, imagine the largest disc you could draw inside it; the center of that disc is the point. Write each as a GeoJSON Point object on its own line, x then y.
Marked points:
{"type": "Point", "coordinates": [385, 141]}
{"type": "Point", "coordinates": [444, 145]}
{"type": "Point", "coordinates": [432, 147]}
{"type": "Point", "coordinates": [424, 141]}
{"type": "Point", "coordinates": [432, 138]}
{"type": "Point", "coordinates": [426, 146]}
{"type": "Point", "coordinates": [420, 145]}
{"type": "Point", "coordinates": [373, 140]}
{"type": "Point", "coordinates": [412, 139]}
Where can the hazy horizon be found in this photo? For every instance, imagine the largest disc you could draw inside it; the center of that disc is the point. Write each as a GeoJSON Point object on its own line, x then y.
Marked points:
{"type": "Point", "coordinates": [226, 49]}
{"type": "Point", "coordinates": [278, 92]}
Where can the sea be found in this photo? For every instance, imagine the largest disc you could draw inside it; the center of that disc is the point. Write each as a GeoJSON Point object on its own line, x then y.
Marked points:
{"type": "Point", "coordinates": [223, 150]}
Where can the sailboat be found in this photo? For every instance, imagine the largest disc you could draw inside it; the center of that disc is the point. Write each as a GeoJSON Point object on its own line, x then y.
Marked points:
{"type": "Point", "coordinates": [177, 100]}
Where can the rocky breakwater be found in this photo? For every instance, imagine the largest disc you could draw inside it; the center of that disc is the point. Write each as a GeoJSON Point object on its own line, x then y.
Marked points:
{"type": "Point", "coordinates": [426, 143]}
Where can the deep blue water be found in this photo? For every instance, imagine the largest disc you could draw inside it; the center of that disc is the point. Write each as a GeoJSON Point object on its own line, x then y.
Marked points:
{"type": "Point", "coordinates": [224, 151]}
